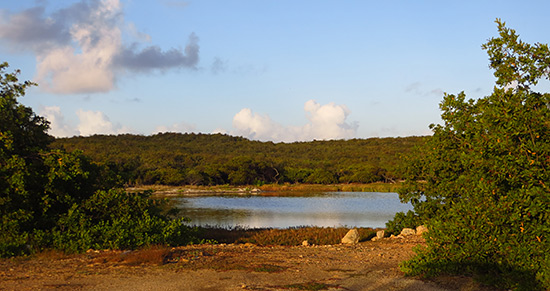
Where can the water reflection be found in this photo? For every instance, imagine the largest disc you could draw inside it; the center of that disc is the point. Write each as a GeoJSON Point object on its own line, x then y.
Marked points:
{"type": "Point", "coordinates": [282, 210]}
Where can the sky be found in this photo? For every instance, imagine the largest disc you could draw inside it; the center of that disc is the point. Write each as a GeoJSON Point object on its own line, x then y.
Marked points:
{"type": "Point", "coordinates": [268, 70]}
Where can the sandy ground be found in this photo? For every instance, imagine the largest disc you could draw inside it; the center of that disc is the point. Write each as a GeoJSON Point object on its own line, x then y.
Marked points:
{"type": "Point", "coordinates": [364, 266]}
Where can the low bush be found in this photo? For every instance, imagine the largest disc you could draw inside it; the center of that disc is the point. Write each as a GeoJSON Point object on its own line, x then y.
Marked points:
{"type": "Point", "coordinates": [115, 219]}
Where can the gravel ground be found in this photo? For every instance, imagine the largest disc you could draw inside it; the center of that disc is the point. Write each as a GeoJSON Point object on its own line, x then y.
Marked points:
{"type": "Point", "coordinates": [364, 266]}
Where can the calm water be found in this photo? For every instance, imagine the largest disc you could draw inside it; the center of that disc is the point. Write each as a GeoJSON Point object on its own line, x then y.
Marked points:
{"type": "Point", "coordinates": [282, 210]}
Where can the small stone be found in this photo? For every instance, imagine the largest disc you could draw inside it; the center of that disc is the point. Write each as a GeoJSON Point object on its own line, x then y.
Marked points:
{"type": "Point", "coordinates": [408, 231]}
{"type": "Point", "coordinates": [305, 243]}
{"type": "Point", "coordinates": [374, 239]}
{"type": "Point", "coordinates": [352, 237]}
{"type": "Point", "coordinates": [380, 234]}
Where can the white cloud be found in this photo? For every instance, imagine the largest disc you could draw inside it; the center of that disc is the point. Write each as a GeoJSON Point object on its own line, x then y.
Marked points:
{"type": "Point", "coordinates": [80, 49]}
{"type": "Point", "coordinates": [90, 123]}
{"type": "Point", "coordinates": [328, 121]}
{"type": "Point", "coordinates": [94, 122]}
{"type": "Point", "coordinates": [58, 127]}
{"type": "Point", "coordinates": [325, 122]}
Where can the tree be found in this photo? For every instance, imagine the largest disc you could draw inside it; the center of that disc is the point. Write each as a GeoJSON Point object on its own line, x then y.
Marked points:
{"type": "Point", "coordinates": [51, 198]}
{"type": "Point", "coordinates": [22, 137]}
{"type": "Point", "coordinates": [481, 183]}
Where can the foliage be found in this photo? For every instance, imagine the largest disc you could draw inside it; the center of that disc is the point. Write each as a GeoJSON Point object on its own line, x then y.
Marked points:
{"type": "Point", "coordinates": [403, 220]}
{"type": "Point", "coordinates": [115, 219]}
{"type": "Point", "coordinates": [482, 180]}
{"type": "Point", "coordinates": [203, 159]}
{"type": "Point", "coordinates": [60, 199]}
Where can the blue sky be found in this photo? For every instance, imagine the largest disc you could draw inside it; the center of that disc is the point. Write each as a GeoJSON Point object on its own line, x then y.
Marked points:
{"type": "Point", "coordinates": [266, 70]}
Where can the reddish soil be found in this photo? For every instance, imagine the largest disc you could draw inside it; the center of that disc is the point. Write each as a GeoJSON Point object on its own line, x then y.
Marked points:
{"type": "Point", "coordinates": [364, 266]}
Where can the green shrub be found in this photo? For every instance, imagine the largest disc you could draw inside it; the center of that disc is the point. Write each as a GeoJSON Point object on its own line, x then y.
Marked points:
{"type": "Point", "coordinates": [115, 219]}
{"type": "Point", "coordinates": [403, 220]}
{"type": "Point", "coordinates": [481, 183]}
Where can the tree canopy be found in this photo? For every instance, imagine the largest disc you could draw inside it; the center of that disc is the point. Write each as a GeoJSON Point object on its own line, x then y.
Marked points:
{"type": "Point", "coordinates": [212, 159]}
{"type": "Point", "coordinates": [482, 181]}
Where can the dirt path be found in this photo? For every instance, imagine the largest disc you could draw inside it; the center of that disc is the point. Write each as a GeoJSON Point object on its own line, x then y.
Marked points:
{"type": "Point", "coordinates": [365, 266]}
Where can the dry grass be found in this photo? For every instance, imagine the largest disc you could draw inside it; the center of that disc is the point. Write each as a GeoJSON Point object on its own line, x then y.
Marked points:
{"type": "Point", "coordinates": [372, 187]}
{"type": "Point", "coordinates": [161, 190]}
{"type": "Point", "coordinates": [227, 235]}
{"type": "Point", "coordinates": [51, 254]}
{"type": "Point", "coordinates": [310, 286]}
{"type": "Point", "coordinates": [153, 255]}
{"type": "Point", "coordinates": [283, 237]}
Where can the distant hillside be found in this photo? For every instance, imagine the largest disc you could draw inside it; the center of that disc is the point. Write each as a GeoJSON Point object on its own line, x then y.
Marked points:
{"type": "Point", "coordinates": [213, 159]}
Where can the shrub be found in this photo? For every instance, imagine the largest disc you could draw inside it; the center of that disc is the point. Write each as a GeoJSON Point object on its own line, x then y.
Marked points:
{"type": "Point", "coordinates": [482, 181]}
{"type": "Point", "coordinates": [51, 198]}
{"type": "Point", "coordinates": [115, 219]}
{"type": "Point", "coordinates": [403, 220]}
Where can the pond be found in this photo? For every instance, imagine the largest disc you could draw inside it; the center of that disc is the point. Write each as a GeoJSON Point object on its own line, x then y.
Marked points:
{"type": "Point", "coordinates": [283, 210]}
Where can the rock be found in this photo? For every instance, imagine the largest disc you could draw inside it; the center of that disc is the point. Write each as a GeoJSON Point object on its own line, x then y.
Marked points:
{"type": "Point", "coordinates": [380, 234]}
{"type": "Point", "coordinates": [352, 237]}
{"type": "Point", "coordinates": [421, 229]}
{"type": "Point", "coordinates": [374, 238]}
{"type": "Point", "coordinates": [408, 231]}
{"type": "Point", "coordinates": [305, 243]}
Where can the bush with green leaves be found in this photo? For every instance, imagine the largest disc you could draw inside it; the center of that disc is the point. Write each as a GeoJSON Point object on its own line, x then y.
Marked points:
{"type": "Point", "coordinates": [403, 220]}
{"type": "Point", "coordinates": [116, 219]}
{"type": "Point", "coordinates": [51, 198]}
{"type": "Point", "coordinates": [482, 182]}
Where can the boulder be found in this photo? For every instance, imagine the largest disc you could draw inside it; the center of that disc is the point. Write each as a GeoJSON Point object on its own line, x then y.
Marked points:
{"type": "Point", "coordinates": [421, 229]}
{"type": "Point", "coordinates": [395, 237]}
{"type": "Point", "coordinates": [380, 234]}
{"type": "Point", "coordinates": [352, 237]}
{"type": "Point", "coordinates": [408, 231]}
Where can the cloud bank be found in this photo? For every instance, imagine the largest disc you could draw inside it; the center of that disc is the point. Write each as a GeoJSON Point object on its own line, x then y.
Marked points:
{"type": "Point", "coordinates": [80, 49]}
{"type": "Point", "coordinates": [90, 123]}
{"type": "Point", "coordinates": [58, 126]}
{"type": "Point", "coordinates": [326, 122]}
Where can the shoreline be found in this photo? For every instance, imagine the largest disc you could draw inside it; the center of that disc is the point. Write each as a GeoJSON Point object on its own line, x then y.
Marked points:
{"type": "Point", "coordinates": [174, 191]}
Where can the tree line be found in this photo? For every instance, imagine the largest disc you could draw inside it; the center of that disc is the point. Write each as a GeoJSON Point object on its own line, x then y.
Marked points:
{"type": "Point", "coordinates": [217, 159]}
